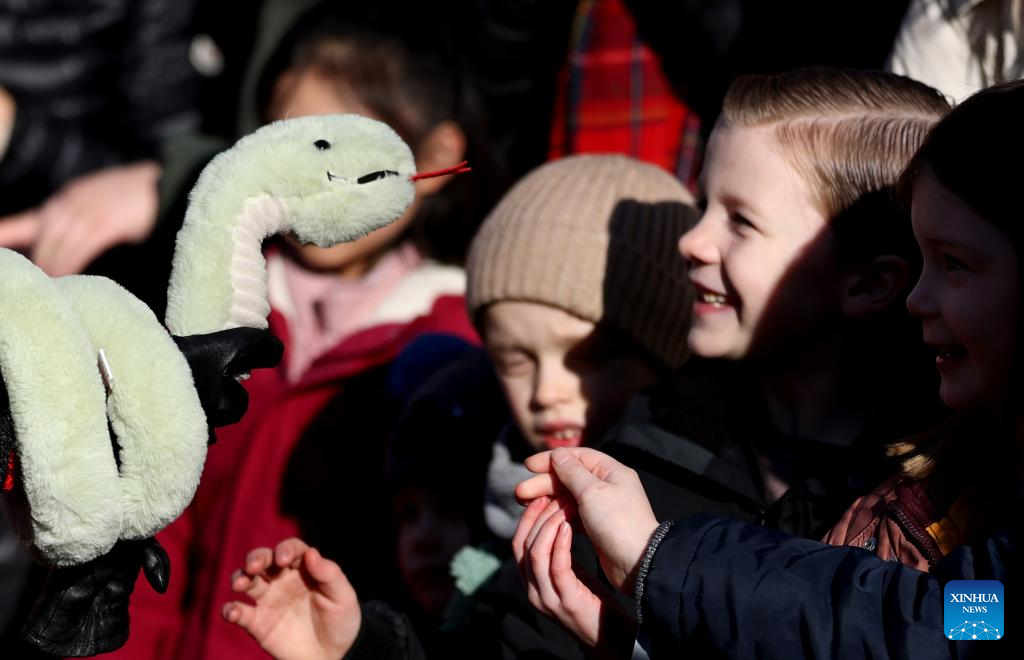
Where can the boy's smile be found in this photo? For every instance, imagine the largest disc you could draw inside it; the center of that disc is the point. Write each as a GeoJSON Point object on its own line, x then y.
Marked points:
{"type": "Point", "coordinates": [761, 258]}
{"type": "Point", "coordinates": [708, 301]}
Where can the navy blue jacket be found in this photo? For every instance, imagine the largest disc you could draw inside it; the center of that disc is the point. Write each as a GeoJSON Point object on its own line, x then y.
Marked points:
{"type": "Point", "coordinates": [721, 588]}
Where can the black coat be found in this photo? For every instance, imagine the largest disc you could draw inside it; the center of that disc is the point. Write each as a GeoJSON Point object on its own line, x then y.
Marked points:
{"type": "Point", "coordinates": [95, 83]}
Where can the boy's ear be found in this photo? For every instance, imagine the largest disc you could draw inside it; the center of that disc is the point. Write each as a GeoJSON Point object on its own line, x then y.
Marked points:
{"type": "Point", "coordinates": [444, 146]}
{"type": "Point", "coordinates": [874, 286]}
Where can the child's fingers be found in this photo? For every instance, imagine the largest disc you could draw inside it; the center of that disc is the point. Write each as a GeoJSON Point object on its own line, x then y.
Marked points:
{"type": "Point", "coordinates": [240, 581]}
{"type": "Point", "coordinates": [551, 509]}
{"type": "Point", "coordinates": [575, 475]}
{"type": "Point", "coordinates": [563, 578]}
{"type": "Point", "coordinates": [258, 561]}
{"type": "Point", "coordinates": [563, 505]}
{"type": "Point", "coordinates": [240, 614]}
{"type": "Point", "coordinates": [540, 560]}
{"type": "Point", "coordinates": [253, 586]}
{"type": "Point", "coordinates": [332, 581]}
{"type": "Point", "coordinates": [539, 462]}
{"type": "Point", "coordinates": [526, 522]}
{"type": "Point", "coordinates": [542, 485]}
{"type": "Point", "coordinates": [289, 551]}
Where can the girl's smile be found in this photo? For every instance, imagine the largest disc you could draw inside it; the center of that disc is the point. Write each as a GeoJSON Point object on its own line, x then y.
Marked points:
{"type": "Point", "coordinates": [966, 297]}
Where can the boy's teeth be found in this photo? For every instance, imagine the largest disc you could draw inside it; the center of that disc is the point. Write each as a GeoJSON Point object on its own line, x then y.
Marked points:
{"type": "Point", "coordinates": [716, 299]}
{"type": "Point", "coordinates": [564, 434]}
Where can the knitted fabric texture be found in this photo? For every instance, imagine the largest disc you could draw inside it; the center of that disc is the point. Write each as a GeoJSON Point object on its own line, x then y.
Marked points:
{"type": "Point", "coordinates": [594, 236]}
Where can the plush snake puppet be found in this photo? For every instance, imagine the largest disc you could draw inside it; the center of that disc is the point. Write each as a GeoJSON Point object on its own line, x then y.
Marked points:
{"type": "Point", "coordinates": [105, 413]}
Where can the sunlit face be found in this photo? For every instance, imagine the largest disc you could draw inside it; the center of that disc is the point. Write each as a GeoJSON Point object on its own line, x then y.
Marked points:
{"type": "Point", "coordinates": [309, 92]}
{"type": "Point", "coordinates": [761, 258]}
{"type": "Point", "coordinates": [967, 297]}
{"type": "Point", "coordinates": [566, 380]}
{"type": "Point", "coordinates": [430, 531]}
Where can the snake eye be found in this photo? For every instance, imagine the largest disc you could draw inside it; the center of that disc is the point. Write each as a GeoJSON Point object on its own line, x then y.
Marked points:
{"type": "Point", "coordinates": [322, 145]}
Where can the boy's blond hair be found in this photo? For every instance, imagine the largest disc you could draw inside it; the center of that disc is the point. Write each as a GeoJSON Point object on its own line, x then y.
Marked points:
{"type": "Point", "coordinates": [848, 132]}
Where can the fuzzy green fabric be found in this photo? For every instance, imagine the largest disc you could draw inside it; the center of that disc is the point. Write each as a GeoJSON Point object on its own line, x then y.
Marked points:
{"type": "Point", "coordinates": [472, 567]}
{"type": "Point", "coordinates": [305, 169]}
{"type": "Point", "coordinates": [153, 407]}
{"type": "Point", "coordinates": [66, 507]}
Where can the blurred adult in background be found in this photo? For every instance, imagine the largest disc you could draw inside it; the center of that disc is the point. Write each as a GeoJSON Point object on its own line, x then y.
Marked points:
{"type": "Point", "coordinates": [87, 92]}
{"type": "Point", "coordinates": [960, 46]}
{"type": "Point", "coordinates": [577, 76]}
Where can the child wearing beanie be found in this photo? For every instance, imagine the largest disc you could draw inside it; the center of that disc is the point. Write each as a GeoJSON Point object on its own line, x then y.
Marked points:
{"type": "Point", "coordinates": [580, 296]}
{"type": "Point", "coordinates": [577, 289]}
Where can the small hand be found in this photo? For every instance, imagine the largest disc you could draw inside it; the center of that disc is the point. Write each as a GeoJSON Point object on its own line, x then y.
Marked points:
{"type": "Point", "coordinates": [304, 605]}
{"type": "Point", "coordinates": [610, 501]}
{"type": "Point", "coordinates": [543, 549]}
{"type": "Point", "coordinates": [88, 216]}
{"type": "Point", "coordinates": [541, 546]}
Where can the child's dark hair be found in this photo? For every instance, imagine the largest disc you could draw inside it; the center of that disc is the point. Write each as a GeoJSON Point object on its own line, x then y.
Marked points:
{"type": "Point", "coordinates": [963, 152]}
{"type": "Point", "coordinates": [409, 76]}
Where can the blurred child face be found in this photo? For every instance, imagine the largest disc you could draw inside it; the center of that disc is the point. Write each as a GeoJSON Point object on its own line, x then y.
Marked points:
{"type": "Point", "coordinates": [566, 380]}
{"type": "Point", "coordinates": [967, 297]}
{"type": "Point", "coordinates": [430, 532]}
{"type": "Point", "coordinates": [761, 258]}
{"type": "Point", "coordinates": [310, 92]}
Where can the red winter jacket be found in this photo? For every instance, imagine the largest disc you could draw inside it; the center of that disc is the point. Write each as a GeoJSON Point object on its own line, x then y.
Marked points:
{"type": "Point", "coordinates": [241, 502]}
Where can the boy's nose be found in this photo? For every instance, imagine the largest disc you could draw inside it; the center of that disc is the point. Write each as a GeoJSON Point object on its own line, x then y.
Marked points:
{"type": "Point", "coordinates": [553, 386]}
{"type": "Point", "coordinates": [695, 246]}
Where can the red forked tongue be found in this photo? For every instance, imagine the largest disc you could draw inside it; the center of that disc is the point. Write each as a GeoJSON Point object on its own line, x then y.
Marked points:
{"type": "Point", "coordinates": [454, 169]}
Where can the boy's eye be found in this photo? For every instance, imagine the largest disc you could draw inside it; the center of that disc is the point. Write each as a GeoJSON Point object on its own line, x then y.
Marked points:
{"type": "Point", "coordinates": [512, 364]}
{"type": "Point", "coordinates": [741, 221]}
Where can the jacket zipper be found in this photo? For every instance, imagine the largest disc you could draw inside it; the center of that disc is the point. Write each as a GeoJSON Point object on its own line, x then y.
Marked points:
{"type": "Point", "coordinates": [919, 537]}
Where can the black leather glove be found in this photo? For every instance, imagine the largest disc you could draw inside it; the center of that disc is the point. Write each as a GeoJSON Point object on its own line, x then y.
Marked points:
{"type": "Point", "coordinates": [217, 358]}
{"type": "Point", "coordinates": [83, 610]}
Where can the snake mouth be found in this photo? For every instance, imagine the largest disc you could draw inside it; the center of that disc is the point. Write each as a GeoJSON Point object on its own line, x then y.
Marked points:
{"type": "Point", "coordinates": [366, 178]}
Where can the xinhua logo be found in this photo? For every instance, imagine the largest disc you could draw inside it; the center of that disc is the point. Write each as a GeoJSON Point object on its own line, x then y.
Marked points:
{"type": "Point", "coordinates": [974, 610]}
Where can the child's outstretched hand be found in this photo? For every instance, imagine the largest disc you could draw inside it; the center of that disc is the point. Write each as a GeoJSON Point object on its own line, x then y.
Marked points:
{"type": "Point", "coordinates": [541, 546]}
{"type": "Point", "coordinates": [610, 501]}
{"type": "Point", "coordinates": [304, 605]}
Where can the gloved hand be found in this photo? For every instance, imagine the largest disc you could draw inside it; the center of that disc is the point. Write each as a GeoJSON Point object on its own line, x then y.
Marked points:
{"type": "Point", "coordinates": [83, 609]}
{"type": "Point", "coordinates": [217, 359]}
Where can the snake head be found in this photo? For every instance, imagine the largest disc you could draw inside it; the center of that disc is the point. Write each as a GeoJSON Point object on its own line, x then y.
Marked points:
{"type": "Point", "coordinates": [338, 176]}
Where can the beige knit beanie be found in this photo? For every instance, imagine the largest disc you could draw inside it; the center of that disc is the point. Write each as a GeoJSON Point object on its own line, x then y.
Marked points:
{"type": "Point", "coordinates": [595, 236]}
